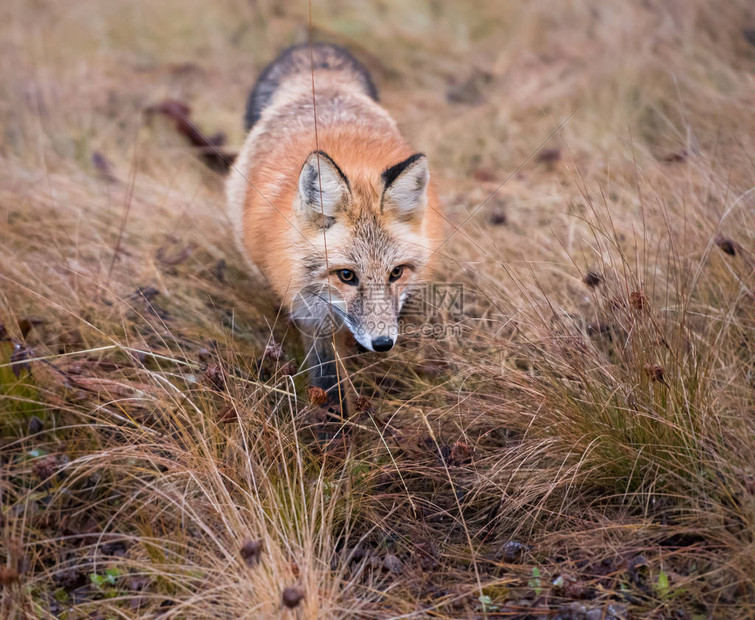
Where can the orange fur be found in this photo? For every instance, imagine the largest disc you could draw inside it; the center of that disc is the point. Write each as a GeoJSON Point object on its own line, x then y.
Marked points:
{"type": "Point", "coordinates": [270, 233]}
{"type": "Point", "coordinates": [382, 217]}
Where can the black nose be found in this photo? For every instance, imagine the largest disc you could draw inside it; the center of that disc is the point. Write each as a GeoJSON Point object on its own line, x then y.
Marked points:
{"type": "Point", "coordinates": [382, 343]}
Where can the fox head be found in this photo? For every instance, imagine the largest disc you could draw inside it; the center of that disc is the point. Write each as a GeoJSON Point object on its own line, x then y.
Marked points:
{"type": "Point", "coordinates": [367, 248]}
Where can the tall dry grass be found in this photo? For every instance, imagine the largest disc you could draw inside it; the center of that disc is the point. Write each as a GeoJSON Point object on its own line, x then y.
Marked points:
{"type": "Point", "coordinates": [586, 445]}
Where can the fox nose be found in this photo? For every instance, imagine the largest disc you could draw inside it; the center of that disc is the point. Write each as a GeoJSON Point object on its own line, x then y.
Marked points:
{"type": "Point", "coordinates": [382, 343]}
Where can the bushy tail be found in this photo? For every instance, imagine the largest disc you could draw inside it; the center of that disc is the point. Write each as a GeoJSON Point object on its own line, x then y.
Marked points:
{"type": "Point", "coordinates": [299, 59]}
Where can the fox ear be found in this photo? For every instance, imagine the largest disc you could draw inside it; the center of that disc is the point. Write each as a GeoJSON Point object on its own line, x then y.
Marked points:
{"type": "Point", "coordinates": [405, 187]}
{"type": "Point", "coordinates": [323, 189]}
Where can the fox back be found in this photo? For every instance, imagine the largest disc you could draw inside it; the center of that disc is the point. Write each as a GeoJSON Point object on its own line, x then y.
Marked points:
{"type": "Point", "coordinates": [328, 200]}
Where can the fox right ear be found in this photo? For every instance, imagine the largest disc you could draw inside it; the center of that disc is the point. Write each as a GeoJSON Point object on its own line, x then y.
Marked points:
{"type": "Point", "coordinates": [323, 189]}
{"type": "Point", "coordinates": [405, 187]}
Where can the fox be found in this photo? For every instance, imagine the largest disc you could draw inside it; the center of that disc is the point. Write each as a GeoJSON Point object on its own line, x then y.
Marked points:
{"type": "Point", "coordinates": [332, 206]}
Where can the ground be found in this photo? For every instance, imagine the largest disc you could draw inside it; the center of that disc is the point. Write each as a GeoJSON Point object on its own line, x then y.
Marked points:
{"type": "Point", "coordinates": [575, 441]}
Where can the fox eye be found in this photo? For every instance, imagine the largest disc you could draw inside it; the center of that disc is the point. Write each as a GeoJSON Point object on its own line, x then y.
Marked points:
{"type": "Point", "coordinates": [396, 273]}
{"type": "Point", "coordinates": [347, 276]}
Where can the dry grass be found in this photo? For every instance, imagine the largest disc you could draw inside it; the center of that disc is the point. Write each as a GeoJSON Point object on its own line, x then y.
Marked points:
{"type": "Point", "coordinates": [582, 448]}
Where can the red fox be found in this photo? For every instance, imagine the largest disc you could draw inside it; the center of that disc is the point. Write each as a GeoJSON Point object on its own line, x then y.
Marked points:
{"type": "Point", "coordinates": [332, 205]}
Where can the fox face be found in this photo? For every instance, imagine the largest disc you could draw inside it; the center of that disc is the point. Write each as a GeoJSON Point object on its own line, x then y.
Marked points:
{"type": "Point", "coordinates": [366, 237]}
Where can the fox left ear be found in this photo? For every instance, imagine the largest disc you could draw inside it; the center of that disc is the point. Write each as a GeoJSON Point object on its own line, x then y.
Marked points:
{"type": "Point", "coordinates": [323, 189]}
{"type": "Point", "coordinates": [405, 187]}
